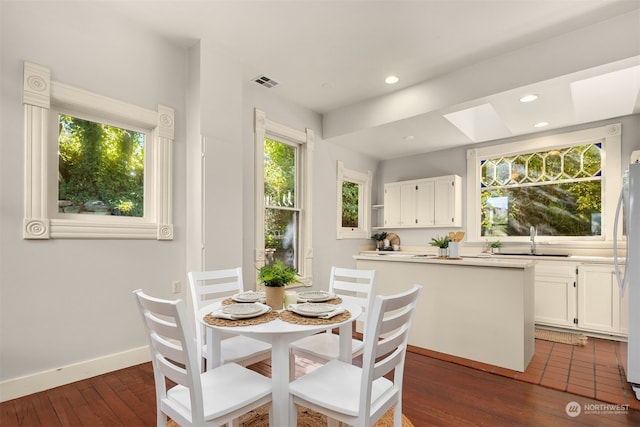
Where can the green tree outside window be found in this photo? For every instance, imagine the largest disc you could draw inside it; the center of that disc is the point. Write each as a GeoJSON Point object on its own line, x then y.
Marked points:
{"type": "Point", "coordinates": [100, 168]}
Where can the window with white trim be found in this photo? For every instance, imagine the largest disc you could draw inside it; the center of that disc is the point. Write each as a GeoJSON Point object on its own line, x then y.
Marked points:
{"type": "Point", "coordinates": [123, 152]}
{"type": "Point", "coordinates": [561, 185]}
{"type": "Point", "coordinates": [283, 160]}
{"type": "Point", "coordinates": [353, 195]}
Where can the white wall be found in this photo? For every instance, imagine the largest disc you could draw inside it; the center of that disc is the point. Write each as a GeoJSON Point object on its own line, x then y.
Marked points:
{"type": "Point", "coordinates": [327, 250]}
{"type": "Point", "coordinates": [454, 161]}
{"type": "Point", "coordinates": [65, 302]}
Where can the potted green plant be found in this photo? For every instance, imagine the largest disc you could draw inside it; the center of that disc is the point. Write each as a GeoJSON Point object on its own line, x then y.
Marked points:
{"type": "Point", "coordinates": [495, 246]}
{"type": "Point", "coordinates": [379, 238]}
{"type": "Point", "coordinates": [275, 277]}
{"type": "Point", "coordinates": [442, 243]}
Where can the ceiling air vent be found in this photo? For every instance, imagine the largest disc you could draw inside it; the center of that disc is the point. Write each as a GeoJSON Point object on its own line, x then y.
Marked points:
{"type": "Point", "coordinates": [265, 81]}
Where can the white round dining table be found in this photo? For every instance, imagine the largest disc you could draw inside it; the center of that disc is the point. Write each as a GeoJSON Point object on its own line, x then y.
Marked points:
{"type": "Point", "coordinates": [279, 334]}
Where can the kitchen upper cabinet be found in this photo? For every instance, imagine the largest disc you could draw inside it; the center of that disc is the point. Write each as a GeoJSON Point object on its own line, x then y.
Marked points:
{"type": "Point", "coordinates": [429, 202]}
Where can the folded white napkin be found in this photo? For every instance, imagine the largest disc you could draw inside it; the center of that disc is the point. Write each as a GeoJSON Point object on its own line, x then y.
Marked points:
{"type": "Point", "coordinates": [330, 314]}
{"type": "Point", "coordinates": [220, 315]}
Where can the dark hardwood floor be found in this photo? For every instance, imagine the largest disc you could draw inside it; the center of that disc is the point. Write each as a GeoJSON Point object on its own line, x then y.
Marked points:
{"type": "Point", "coordinates": [436, 393]}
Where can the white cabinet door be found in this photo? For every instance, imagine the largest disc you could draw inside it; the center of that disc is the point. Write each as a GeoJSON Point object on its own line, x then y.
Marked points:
{"type": "Point", "coordinates": [391, 205]}
{"type": "Point", "coordinates": [555, 300]}
{"type": "Point", "coordinates": [598, 299]}
{"type": "Point", "coordinates": [425, 209]}
{"type": "Point", "coordinates": [448, 201]}
{"type": "Point", "coordinates": [408, 205]}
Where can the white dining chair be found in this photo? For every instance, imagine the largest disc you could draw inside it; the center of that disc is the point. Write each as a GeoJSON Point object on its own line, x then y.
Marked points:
{"type": "Point", "coordinates": [213, 285]}
{"type": "Point", "coordinates": [216, 397]}
{"type": "Point", "coordinates": [359, 396]}
{"type": "Point", "coordinates": [352, 285]}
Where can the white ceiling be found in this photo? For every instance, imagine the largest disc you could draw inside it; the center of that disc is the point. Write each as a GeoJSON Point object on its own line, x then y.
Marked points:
{"type": "Point", "coordinates": [333, 56]}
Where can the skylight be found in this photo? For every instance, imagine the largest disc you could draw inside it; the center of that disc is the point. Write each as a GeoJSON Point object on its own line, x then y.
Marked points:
{"type": "Point", "coordinates": [480, 123]}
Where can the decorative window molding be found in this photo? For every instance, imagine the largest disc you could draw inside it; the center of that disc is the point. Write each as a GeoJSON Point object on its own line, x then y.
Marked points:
{"type": "Point", "coordinates": [609, 135]}
{"type": "Point", "coordinates": [41, 98]}
{"type": "Point", "coordinates": [363, 182]}
{"type": "Point", "coordinates": [265, 128]}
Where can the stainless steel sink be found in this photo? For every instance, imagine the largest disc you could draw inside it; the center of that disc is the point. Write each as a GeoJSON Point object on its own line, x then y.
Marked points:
{"type": "Point", "coordinates": [528, 254]}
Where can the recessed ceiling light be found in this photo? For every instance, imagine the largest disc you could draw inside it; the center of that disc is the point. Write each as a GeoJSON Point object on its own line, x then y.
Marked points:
{"type": "Point", "coordinates": [541, 124]}
{"type": "Point", "coordinates": [391, 80]}
{"type": "Point", "coordinates": [529, 98]}
{"type": "Point", "coordinates": [408, 137]}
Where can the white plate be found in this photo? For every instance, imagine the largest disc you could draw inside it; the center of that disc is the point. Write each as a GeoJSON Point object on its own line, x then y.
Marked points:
{"type": "Point", "coordinates": [262, 309]}
{"type": "Point", "coordinates": [312, 309]}
{"type": "Point", "coordinates": [249, 296]}
{"type": "Point", "coordinates": [241, 309]}
{"type": "Point", "coordinates": [315, 296]}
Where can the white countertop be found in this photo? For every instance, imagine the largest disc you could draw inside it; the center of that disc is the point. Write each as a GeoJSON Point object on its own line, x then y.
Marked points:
{"type": "Point", "coordinates": [498, 260]}
{"type": "Point", "coordinates": [487, 261]}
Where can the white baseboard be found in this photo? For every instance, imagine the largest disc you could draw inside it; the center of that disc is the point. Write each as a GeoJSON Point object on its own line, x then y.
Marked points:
{"type": "Point", "coordinates": [18, 387]}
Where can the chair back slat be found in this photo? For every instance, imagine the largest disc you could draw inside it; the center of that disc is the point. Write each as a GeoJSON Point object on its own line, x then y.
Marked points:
{"type": "Point", "coordinates": [354, 287]}
{"type": "Point", "coordinates": [383, 366]}
{"type": "Point", "coordinates": [173, 372]}
{"type": "Point", "coordinates": [169, 349]}
{"type": "Point", "coordinates": [394, 321]}
{"type": "Point", "coordinates": [390, 343]}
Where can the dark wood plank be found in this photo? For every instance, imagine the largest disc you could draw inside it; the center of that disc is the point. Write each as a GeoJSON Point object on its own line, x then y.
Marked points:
{"type": "Point", "coordinates": [82, 407]}
{"type": "Point", "coordinates": [67, 414]}
{"type": "Point", "coordinates": [99, 407]}
{"type": "Point", "coordinates": [25, 412]}
{"type": "Point", "coordinates": [436, 393]}
{"type": "Point", "coordinates": [44, 410]}
{"type": "Point", "coordinates": [114, 401]}
{"type": "Point", "coordinates": [8, 414]}
{"type": "Point", "coordinates": [135, 397]}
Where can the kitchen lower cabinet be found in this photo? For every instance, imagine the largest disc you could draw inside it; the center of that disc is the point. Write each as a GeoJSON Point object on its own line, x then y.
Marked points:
{"type": "Point", "coordinates": [599, 303]}
{"type": "Point", "coordinates": [556, 296]}
{"type": "Point", "coordinates": [579, 296]}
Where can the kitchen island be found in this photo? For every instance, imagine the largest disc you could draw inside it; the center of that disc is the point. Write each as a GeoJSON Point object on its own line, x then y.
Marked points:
{"type": "Point", "coordinates": [480, 309]}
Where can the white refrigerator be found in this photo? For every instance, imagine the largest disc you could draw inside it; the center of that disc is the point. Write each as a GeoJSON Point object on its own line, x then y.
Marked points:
{"type": "Point", "coordinates": [630, 281]}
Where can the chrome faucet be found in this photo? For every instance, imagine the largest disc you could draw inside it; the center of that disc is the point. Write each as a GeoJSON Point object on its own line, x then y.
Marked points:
{"type": "Point", "coordinates": [532, 237]}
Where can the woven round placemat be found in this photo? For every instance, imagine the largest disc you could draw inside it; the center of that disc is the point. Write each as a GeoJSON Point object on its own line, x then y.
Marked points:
{"type": "Point", "coordinates": [229, 301]}
{"type": "Point", "coordinates": [263, 318]}
{"type": "Point", "coordinates": [291, 317]}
